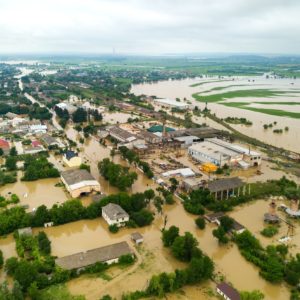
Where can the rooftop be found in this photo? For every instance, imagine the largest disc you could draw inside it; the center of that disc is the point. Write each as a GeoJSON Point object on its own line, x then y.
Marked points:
{"type": "Point", "coordinates": [136, 236]}
{"type": "Point", "coordinates": [224, 184]}
{"type": "Point", "coordinates": [90, 257]}
{"type": "Point", "coordinates": [76, 176]}
{"type": "Point", "coordinates": [70, 154]}
{"type": "Point", "coordinates": [123, 134]}
{"type": "Point", "coordinates": [114, 211]}
{"type": "Point", "coordinates": [48, 139]}
{"type": "Point", "coordinates": [229, 291]}
{"type": "Point", "coordinates": [214, 151]}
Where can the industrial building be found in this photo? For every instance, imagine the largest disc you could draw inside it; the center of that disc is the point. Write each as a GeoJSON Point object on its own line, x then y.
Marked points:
{"type": "Point", "coordinates": [172, 103]}
{"type": "Point", "coordinates": [79, 182]}
{"type": "Point", "coordinates": [219, 152]}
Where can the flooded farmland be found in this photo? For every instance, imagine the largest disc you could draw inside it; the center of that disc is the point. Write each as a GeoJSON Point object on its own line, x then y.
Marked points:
{"type": "Point", "coordinates": [183, 89]}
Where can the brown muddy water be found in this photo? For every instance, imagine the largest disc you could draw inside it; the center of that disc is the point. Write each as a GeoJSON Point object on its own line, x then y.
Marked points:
{"type": "Point", "coordinates": [182, 89]}
{"type": "Point", "coordinates": [153, 258]}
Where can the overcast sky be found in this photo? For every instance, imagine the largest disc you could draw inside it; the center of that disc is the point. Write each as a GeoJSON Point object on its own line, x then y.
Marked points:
{"type": "Point", "coordinates": [149, 26]}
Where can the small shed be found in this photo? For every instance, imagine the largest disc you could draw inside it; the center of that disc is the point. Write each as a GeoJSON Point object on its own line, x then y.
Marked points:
{"type": "Point", "coordinates": [137, 238]}
{"type": "Point", "coordinates": [25, 231]}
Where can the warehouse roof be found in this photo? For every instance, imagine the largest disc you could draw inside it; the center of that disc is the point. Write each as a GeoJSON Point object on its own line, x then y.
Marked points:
{"type": "Point", "coordinates": [76, 176]}
{"type": "Point", "coordinates": [90, 257]}
{"type": "Point", "coordinates": [224, 184]}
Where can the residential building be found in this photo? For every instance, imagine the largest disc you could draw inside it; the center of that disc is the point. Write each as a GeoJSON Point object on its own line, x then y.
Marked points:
{"type": "Point", "coordinates": [49, 141]}
{"type": "Point", "coordinates": [4, 145]}
{"type": "Point", "coordinates": [108, 254]}
{"type": "Point", "coordinates": [67, 106]}
{"type": "Point", "coordinates": [114, 214]}
{"type": "Point", "coordinates": [71, 159]}
{"type": "Point", "coordinates": [79, 182]}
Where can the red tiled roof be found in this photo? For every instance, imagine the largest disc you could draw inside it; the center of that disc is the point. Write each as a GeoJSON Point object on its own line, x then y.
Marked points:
{"type": "Point", "coordinates": [4, 144]}
{"type": "Point", "coordinates": [35, 143]}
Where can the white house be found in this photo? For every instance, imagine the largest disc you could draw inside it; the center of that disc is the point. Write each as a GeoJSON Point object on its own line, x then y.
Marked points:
{"type": "Point", "coordinates": [114, 214]}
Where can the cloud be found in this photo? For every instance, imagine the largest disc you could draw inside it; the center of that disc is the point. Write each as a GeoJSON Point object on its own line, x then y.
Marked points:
{"type": "Point", "coordinates": [149, 27]}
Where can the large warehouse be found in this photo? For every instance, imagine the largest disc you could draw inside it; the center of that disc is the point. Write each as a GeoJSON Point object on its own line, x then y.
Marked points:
{"type": "Point", "coordinates": [79, 182]}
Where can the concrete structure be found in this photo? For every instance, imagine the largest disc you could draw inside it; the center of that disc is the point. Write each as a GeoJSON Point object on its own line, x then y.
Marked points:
{"type": "Point", "coordinates": [187, 140]}
{"type": "Point", "coordinates": [171, 103]}
{"type": "Point", "coordinates": [226, 187]}
{"type": "Point", "coordinates": [192, 183]}
{"type": "Point", "coordinates": [271, 217]}
{"type": "Point", "coordinates": [114, 214]}
{"type": "Point", "coordinates": [220, 153]}
{"type": "Point", "coordinates": [39, 128]}
{"type": "Point", "coordinates": [71, 159]}
{"type": "Point", "coordinates": [227, 292]}
{"type": "Point", "coordinates": [121, 135]}
{"type": "Point", "coordinates": [209, 152]}
{"type": "Point", "coordinates": [107, 254]}
{"type": "Point", "coordinates": [79, 182]}
{"type": "Point", "coordinates": [184, 172]}
{"type": "Point", "coordinates": [253, 158]}
{"type": "Point", "coordinates": [137, 238]}
{"type": "Point", "coordinates": [49, 141]}
{"type": "Point", "coordinates": [67, 106]}
{"type": "Point", "coordinates": [25, 231]}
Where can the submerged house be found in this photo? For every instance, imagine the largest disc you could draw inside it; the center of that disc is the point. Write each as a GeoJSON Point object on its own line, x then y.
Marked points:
{"type": "Point", "coordinates": [227, 291]}
{"type": "Point", "coordinates": [114, 214]}
{"type": "Point", "coordinates": [79, 182]}
{"type": "Point", "coordinates": [107, 254]}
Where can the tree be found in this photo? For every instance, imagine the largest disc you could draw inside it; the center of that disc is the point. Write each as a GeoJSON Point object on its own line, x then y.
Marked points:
{"type": "Point", "coordinates": [41, 216]}
{"type": "Point", "coordinates": [142, 217]}
{"type": "Point", "coordinates": [149, 194]}
{"type": "Point", "coordinates": [200, 268]}
{"type": "Point", "coordinates": [11, 265]}
{"type": "Point", "coordinates": [174, 184]}
{"type": "Point", "coordinates": [25, 274]}
{"type": "Point", "coordinates": [1, 152]}
{"type": "Point", "coordinates": [44, 243]}
{"type": "Point", "coordinates": [220, 234]}
{"type": "Point", "coordinates": [11, 163]}
{"type": "Point", "coordinates": [184, 246]}
{"type": "Point", "coordinates": [253, 295]}
{"type": "Point", "coordinates": [1, 259]}
{"type": "Point", "coordinates": [227, 223]}
{"type": "Point", "coordinates": [13, 151]}
{"type": "Point", "coordinates": [200, 222]}
{"type": "Point", "coordinates": [169, 235]}
{"type": "Point", "coordinates": [17, 291]}
{"type": "Point", "coordinates": [80, 115]}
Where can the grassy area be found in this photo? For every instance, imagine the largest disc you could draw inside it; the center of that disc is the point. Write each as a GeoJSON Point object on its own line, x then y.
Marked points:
{"type": "Point", "coordinates": [258, 93]}
{"type": "Point", "coordinates": [220, 88]}
{"type": "Point", "coordinates": [58, 292]}
{"type": "Point", "coordinates": [206, 82]}
{"type": "Point", "coordinates": [268, 111]}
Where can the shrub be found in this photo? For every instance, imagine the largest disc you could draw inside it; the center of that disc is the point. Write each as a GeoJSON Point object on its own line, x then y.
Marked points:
{"type": "Point", "coordinates": [269, 231]}
{"type": "Point", "coordinates": [200, 222]}
{"type": "Point", "coordinates": [113, 228]}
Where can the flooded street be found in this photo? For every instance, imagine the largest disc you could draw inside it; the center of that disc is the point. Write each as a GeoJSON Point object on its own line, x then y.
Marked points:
{"type": "Point", "coordinates": [183, 89]}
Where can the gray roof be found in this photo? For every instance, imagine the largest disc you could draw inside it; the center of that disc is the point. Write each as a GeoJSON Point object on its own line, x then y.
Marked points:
{"type": "Point", "coordinates": [76, 176]}
{"type": "Point", "coordinates": [114, 211]}
{"type": "Point", "coordinates": [121, 133]}
{"type": "Point", "coordinates": [90, 257]}
{"type": "Point", "coordinates": [136, 236]}
{"type": "Point", "coordinates": [229, 291]}
{"type": "Point", "coordinates": [224, 184]}
{"type": "Point", "coordinates": [48, 139]}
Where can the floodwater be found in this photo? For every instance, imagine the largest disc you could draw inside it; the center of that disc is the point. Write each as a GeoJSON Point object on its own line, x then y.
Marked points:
{"type": "Point", "coordinates": [182, 89]}
{"type": "Point", "coordinates": [36, 193]}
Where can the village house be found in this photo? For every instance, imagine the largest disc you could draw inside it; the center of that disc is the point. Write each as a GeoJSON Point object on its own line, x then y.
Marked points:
{"type": "Point", "coordinates": [49, 141]}
{"type": "Point", "coordinates": [114, 214]}
{"type": "Point", "coordinates": [67, 106]}
{"type": "Point", "coordinates": [4, 145]}
{"type": "Point", "coordinates": [34, 148]}
{"type": "Point", "coordinates": [108, 254]}
{"type": "Point", "coordinates": [79, 182]}
{"type": "Point", "coordinates": [171, 103]}
{"type": "Point", "coordinates": [227, 292]}
{"type": "Point", "coordinates": [71, 159]}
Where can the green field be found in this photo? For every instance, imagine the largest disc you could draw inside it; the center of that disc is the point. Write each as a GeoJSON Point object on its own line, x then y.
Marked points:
{"type": "Point", "coordinates": [269, 111]}
{"type": "Point", "coordinates": [257, 93]}
{"type": "Point", "coordinates": [206, 82]}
